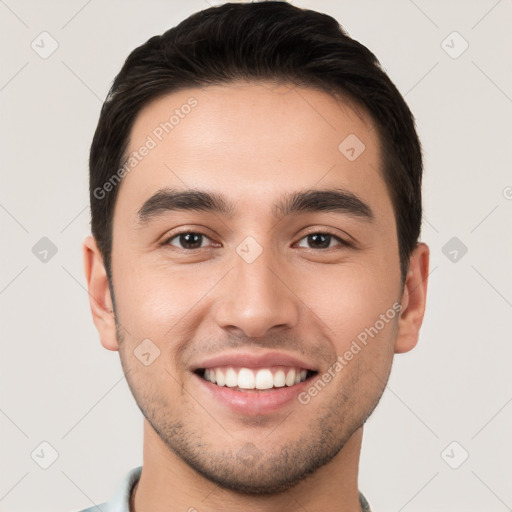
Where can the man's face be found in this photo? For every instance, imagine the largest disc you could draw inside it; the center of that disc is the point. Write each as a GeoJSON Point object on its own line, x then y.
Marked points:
{"type": "Point", "coordinates": [265, 288]}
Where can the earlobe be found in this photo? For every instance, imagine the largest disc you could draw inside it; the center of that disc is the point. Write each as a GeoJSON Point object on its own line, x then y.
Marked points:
{"type": "Point", "coordinates": [413, 300]}
{"type": "Point", "coordinates": [100, 299]}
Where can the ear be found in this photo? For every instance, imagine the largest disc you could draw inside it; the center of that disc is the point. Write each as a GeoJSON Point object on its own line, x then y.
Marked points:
{"type": "Point", "coordinates": [413, 300]}
{"type": "Point", "coordinates": [99, 294]}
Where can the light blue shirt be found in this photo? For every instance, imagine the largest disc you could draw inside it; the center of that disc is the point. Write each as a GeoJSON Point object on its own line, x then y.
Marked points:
{"type": "Point", "coordinates": [120, 501]}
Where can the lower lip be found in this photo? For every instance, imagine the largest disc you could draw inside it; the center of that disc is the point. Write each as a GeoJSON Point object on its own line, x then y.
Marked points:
{"type": "Point", "coordinates": [254, 402]}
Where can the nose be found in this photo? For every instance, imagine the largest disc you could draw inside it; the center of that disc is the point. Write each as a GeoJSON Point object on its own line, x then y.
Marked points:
{"type": "Point", "coordinates": [257, 299]}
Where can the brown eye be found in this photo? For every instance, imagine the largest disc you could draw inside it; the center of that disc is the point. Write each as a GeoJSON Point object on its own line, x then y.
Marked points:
{"type": "Point", "coordinates": [188, 240]}
{"type": "Point", "coordinates": [321, 241]}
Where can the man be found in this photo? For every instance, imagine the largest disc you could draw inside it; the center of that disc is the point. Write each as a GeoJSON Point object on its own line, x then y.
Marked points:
{"type": "Point", "coordinates": [255, 184]}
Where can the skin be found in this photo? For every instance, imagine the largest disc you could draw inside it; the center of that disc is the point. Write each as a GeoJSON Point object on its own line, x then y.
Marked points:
{"type": "Point", "coordinates": [254, 144]}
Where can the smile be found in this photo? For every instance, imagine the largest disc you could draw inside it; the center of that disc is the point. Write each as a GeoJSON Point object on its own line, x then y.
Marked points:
{"type": "Point", "coordinates": [261, 379]}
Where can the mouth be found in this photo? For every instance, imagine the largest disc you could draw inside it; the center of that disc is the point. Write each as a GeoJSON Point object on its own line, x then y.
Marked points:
{"type": "Point", "coordinates": [253, 383]}
{"type": "Point", "coordinates": [263, 379]}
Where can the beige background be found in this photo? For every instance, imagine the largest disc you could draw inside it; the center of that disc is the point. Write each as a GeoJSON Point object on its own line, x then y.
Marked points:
{"type": "Point", "coordinates": [60, 386]}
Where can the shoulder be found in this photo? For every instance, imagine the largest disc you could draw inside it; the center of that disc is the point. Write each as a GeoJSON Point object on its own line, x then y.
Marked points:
{"type": "Point", "coordinates": [102, 506]}
{"type": "Point", "coordinates": [120, 501]}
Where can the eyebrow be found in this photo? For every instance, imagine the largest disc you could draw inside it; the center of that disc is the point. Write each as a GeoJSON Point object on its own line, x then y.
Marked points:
{"type": "Point", "coordinates": [330, 200]}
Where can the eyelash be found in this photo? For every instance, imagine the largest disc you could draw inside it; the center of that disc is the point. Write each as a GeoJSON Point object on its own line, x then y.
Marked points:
{"type": "Point", "coordinates": [342, 242]}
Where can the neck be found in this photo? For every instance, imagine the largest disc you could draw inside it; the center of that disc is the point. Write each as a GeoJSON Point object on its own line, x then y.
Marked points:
{"type": "Point", "coordinates": [167, 484]}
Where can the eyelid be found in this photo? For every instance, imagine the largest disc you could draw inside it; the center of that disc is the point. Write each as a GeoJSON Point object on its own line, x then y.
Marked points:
{"type": "Point", "coordinates": [338, 233]}
{"type": "Point", "coordinates": [168, 239]}
{"type": "Point", "coordinates": [342, 241]}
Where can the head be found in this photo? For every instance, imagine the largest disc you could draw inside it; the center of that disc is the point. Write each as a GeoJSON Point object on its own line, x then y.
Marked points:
{"type": "Point", "coordinates": [255, 187]}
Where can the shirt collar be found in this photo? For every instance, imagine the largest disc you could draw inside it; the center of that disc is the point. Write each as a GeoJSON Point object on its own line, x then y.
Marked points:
{"type": "Point", "coordinates": [121, 500]}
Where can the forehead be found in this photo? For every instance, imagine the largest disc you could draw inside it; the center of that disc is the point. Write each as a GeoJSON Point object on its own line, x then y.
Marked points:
{"type": "Point", "coordinates": [251, 140]}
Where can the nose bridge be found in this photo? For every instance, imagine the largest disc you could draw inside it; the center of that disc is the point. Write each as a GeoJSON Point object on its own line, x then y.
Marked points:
{"type": "Point", "coordinates": [256, 300]}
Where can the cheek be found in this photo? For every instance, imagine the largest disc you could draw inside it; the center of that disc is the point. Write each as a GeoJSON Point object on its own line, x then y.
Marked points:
{"type": "Point", "coordinates": [152, 301]}
{"type": "Point", "coordinates": [349, 300]}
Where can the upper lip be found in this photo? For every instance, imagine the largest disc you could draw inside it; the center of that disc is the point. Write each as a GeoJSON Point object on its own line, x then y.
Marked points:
{"type": "Point", "coordinates": [250, 360]}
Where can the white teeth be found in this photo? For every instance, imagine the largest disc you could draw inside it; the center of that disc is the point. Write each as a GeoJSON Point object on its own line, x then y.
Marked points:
{"type": "Point", "coordinates": [231, 378]}
{"type": "Point", "coordinates": [290, 378]}
{"type": "Point", "coordinates": [279, 379]}
{"type": "Point", "coordinates": [219, 377]}
{"type": "Point", "coordinates": [246, 379]}
{"type": "Point", "coordinates": [264, 379]}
